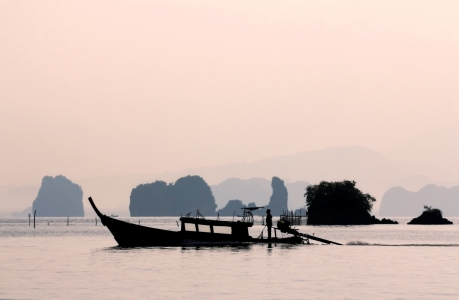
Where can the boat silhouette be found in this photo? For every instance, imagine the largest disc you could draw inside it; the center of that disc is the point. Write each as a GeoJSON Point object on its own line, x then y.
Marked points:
{"type": "Point", "coordinates": [198, 231]}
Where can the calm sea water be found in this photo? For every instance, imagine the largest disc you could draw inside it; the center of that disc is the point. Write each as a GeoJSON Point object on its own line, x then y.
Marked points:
{"type": "Point", "coordinates": [82, 261]}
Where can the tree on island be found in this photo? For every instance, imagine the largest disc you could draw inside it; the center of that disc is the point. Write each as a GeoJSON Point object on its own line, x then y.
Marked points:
{"type": "Point", "coordinates": [339, 203]}
{"type": "Point", "coordinates": [433, 211]}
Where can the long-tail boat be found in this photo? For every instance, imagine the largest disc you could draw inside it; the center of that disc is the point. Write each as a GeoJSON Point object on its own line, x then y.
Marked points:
{"type": "Point", "coordinates": [197, 231]}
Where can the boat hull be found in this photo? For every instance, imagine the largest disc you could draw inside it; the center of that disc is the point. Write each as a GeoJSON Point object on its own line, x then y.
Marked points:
{"type": "Point", "coordinates": [287, 240]}
{"type": "Point", "coordinates": [132, 235]}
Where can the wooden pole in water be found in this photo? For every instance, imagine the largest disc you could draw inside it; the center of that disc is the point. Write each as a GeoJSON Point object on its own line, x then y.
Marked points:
{"type": "Point", "coordinates": [67, 221]}
{"type": "Point", "coordinates": [29, 219]}
{"type": "Point", "coordinates": [96, 220]}
{"type": "Point", "coordinates": [34, 214]}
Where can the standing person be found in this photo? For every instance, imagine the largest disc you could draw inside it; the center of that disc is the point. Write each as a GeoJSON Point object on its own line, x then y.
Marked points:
{"type": "Point", "coordinates": [269, 222]}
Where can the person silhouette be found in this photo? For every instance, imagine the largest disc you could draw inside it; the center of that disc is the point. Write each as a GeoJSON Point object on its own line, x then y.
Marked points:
{"type": "Point", "coordinates": [269, 222]}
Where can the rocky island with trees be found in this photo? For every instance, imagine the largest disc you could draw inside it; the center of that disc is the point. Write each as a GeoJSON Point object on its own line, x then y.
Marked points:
{"type": "Point", "coordinates": [59, 197]}
{"type": "Point", "coordinates": [340, 203]}
{"type": "Point", "coordinates": [190, 193]}
{"type": "Point", "coordinates": [161, 199]}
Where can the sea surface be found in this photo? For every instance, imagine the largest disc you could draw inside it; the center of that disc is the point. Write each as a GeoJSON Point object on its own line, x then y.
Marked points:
{"type": "Point", "coordinates": [82, 261]}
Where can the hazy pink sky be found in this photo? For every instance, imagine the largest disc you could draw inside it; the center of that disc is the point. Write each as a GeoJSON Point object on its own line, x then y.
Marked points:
{"type": "Point", "coordinates": [110, 87]}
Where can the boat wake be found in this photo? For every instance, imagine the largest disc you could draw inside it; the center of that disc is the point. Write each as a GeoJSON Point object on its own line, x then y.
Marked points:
{"type": "Point", "coordinates": [361, 243]}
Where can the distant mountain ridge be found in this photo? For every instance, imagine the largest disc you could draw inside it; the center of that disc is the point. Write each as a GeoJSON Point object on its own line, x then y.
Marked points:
{"type": "Point", "coordinates": [278, 202]}
{"type": "Point", "coordinates": [373, 172]}
{"type": "Point", "coordinates": [256, 190]}
{"type": "Point", "coordinates": [15, 199]}
{"type": "Point", "coordinates": [439, 148]}
{"type": "Point", "coordinates": [398, 202]}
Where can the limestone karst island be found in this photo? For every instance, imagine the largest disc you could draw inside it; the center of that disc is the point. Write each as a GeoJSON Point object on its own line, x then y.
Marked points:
{"type": "Point", "coordinates": [58, 197]}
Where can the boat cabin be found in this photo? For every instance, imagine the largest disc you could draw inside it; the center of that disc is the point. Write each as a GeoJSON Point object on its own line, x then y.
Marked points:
{"type": "Point", "coordinates": [200, 227]}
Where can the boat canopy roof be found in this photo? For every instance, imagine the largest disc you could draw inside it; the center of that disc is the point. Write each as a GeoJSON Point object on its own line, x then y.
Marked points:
{"type": "Point", "coordinates": [252, 208]}
{"type": "Point", "coordinates": [215, 222]}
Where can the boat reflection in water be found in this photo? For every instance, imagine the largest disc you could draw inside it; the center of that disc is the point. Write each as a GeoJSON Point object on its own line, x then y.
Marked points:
{"type": "Point", "coordinates": [199, 231]}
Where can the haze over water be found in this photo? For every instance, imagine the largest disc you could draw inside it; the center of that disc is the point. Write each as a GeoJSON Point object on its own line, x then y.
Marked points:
{"type": "Point", "coordinates": [82, 261]}
{"type": "Point", "coordinates": [115, 93]}
{"type": "Point", "coordinates": [99, 88]}
{"type": "Point", "coordinates": [112, 94]}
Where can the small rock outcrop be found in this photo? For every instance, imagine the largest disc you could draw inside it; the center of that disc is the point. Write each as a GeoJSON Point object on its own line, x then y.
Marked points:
{"type": "Point", "coordinates": [59, 197]}
{"type": "Point", "coordinates": [161, 199]}
{"type": "Point", "coordinates": [278, 202]}
{"type": "Point", "coordinates": [383, 221]}
{"type": "Point", "coordinates": [430, 216]}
